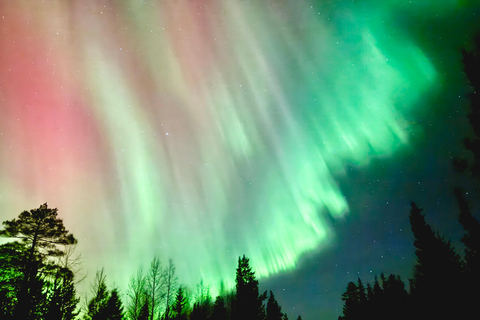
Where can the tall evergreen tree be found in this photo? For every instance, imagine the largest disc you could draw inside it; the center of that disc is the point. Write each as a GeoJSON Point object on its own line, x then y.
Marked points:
{"type": "Point", "coordinates": [471, 63]}
{"type": "Point", "coordinates": [98, 304]}
{"type": "Point", "coordinates": [352, 304]}
{"type": "Point", "coordinates": [471, 241]}
{"type": "Point", "coordinates": [274, 311]}
{"type": "Point", "coordinates": [471, 237]}
{"type": "Point", "coordinates": [62, 297]}
{"type": "Point", "coordinates": [438, 271]}
{"type": "Point", "coordinates": [219, 309]}
{"type": "Point", "coordinates": [179, 306]}
{"type": "Point", "coordinates": [42, 233]}
{"type": "Point", "coordinates": [248, 302]}
{"type": "Point", "coordinates": [113, 309]}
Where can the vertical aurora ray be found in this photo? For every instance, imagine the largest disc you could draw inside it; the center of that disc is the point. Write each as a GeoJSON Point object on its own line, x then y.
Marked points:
{"type": "Point", "coordinates": [200, 130]}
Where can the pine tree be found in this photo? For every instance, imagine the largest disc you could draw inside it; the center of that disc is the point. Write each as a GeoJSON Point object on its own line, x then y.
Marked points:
{"type": "Point", "coordinates": [114, 309]}
{"type": "Point", "coordinates": [274, 311]}
{"type": "Point", "coordinates": [248, 302]}
{"type": "Point", "coordinates": [98, 304]}
{"type": "Point", "coordinates": [179, 306]}
{"type": "Point", "coordinates": [471, 238]}
{"type": "Point", "coordinates": [41, 232]}
{"type": "Point", "coordinates": [438, 271]}
{"type": "Point", "coordinates": [351, 298]}
{"type": "Point", "coordinates": [471, 63]}
{"type": "Point", "coordinates": [219, 309]}
{"type": "Point", "coordinates": [62, 300]}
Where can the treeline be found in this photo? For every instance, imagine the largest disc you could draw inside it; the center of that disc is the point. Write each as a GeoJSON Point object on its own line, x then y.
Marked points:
{"type": "Point", "coordinates": [445, 284]}
{"type": "Point", "coordinates": [37, 282]}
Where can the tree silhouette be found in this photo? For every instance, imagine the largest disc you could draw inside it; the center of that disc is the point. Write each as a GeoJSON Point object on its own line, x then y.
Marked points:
{"type": "Point", "coordinates": [180, 305]}
{"type": "Point", "coordinates": [202, 308]}
{"type": "Point", "coordinates": [471, 241]}
{"type": "Point", "coordinates": [219, 309]}
{"type": "Point", "coordinates": [41, 232]}
{"type": "Point", "coordinates": [274, 311]}
{"type": "Point", "coordinates": [248, 303]}
{"type": "Point", "coordinates": [353, 300]}
{"type": "Point", "coordinates": [437, 279]}
{"type": "Point", "coordinates": [471, 63]}
{"type": "Point", "coordinates": [136, 295]}
{"type": "Point", "coordinates": [62, 299]}
{"type": "Point", "coordinates": [155, 287]}
{"type": "Point", "coordinates": [113, 309]}
{"type": "Point", "coordinates": [386, 300]}
{"type": "Point", "coordinates": [171, 284]}
{"type": "Point", "coordinates": [98, 304]}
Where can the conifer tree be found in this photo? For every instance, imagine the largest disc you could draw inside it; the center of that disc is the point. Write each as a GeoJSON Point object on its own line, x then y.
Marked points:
{"type": "Point", "coordinates": [62, 299]}
{"type": "Point", "coordinates": [274, 311]}
{"type": "Point", "coordinates": [42, 233]}
{"type": "Point", "coordinates": [219, 309]}
{"type": "Point", "coordinates": [248, 302]}
{"type": "Point", "coordinates": [180, 305]}
{"type": "Point", "coordinates": [471, 238]}
{"type": "Point", "coordinates": [98, 304]}
{"type": "Point", "coordinates": [113, 309]}
{"type": "Point", "coordinates": [437, 277]}
{"type": "Point", "coordinates": [352, 298]}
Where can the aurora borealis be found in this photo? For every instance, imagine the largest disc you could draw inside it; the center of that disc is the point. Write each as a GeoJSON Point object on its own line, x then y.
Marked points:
{"type": "Point", "coordinates": [204, 130]}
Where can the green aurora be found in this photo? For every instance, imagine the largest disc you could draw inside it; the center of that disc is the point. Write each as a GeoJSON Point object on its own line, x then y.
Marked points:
{"type": "Point", "coordinates": [208, 129]}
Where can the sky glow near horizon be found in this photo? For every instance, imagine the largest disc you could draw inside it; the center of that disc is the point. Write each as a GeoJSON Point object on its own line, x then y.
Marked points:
{"type": "Point", "coordinates": [200, 130]}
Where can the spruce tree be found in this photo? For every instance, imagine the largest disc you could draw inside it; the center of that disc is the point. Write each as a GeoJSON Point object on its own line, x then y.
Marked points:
{"type": "Point", "coordinates": [180, 305]}
{"type": "Point", "coordinates": [351, 306]}
{"type": "Point", "coordinates": [437, 277]}
{"type": "Point", "coordinates": [98, 304]}
{"type": "Point", "coordinates": [62, 299]}
{"type": "Point", "coordinates": [274, 311]}
{"type": "Point", "coordinates": [248, 302]}
{"type": "Point", "coordinates": [114, 309]}
{"type": "Point", "coordinates": [219, 310]}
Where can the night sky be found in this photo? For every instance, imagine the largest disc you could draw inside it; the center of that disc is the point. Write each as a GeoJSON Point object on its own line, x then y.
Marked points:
{"type": "Point", "coordinates": [294, 132]}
